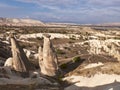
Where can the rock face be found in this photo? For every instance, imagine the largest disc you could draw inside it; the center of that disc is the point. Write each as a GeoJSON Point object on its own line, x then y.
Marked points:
{"type": "Point", "coordinates": [109, 47]}
{"type": "Point", "coordinates": [20, 61]}
{"type": "Point", "coordinates": [49, 63]}
{"type": "Point", "coordinates": [40, 51]}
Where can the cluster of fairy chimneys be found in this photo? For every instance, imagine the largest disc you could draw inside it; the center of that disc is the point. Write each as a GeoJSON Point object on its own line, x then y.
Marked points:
{"type": "Point", "coordinates": [48, 61]}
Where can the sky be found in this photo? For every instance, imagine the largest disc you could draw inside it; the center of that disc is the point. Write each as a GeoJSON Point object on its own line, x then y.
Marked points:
{"type": "Point", "coordinates": [67, 11]}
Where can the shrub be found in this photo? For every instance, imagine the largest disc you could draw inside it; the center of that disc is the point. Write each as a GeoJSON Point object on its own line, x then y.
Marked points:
{"type": "Point", "coordinates": [76, 59]}
{"type": "Point", "coordinates": [63, 66]}
{"type": "Point", "coordinates": [58, 51]}
{"type": "Point", "coordinates": [60, 78]}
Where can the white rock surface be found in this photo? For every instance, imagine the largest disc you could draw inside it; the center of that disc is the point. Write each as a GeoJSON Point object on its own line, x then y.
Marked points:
{"type": "Point", "coordinates": [9, 62]}
{"type": "Point", "coordinates": [109, 47]}
{"type": "Point", "coordinates": [53, 35]}
{"type": "Point", "coordinates": [93, 65]}
{"type": "Point", "coordinates": [49, 63]}
{"type": "Point", "coordinates": [92, 83]}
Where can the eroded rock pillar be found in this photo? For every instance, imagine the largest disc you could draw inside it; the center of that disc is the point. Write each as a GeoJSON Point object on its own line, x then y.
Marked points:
{"type": "Point", "coordinates": [49, 63]}
{"type": "Point", "coordinates": [19, 59]}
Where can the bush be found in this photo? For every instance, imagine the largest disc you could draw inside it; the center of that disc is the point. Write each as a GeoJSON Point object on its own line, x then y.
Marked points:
{"type": "Point", "coordinates": [58, 51]}
{"type": "Point", "coordinates": [76, 59]}
{"type": "Point", "coordinates": [60, 77]}
{"type": "Point", "coordinates": [63, 66]}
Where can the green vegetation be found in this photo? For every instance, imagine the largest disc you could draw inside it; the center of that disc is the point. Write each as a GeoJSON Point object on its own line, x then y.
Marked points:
{"type": "Point", "coordinates": [63, 66]}
{"type": "Point", "coordinates": [58, 51]}
{"type": "Point", "coordinates": [76, 59]}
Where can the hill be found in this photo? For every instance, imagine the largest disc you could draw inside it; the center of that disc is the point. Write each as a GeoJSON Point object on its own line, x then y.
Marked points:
{"type": "Point", "coordinates": [20, 22]}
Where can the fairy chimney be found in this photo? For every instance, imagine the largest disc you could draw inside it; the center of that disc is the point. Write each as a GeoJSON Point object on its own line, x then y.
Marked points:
{"type": "Point", "coordinates": [49, 62]}
{"type": "Point", "coordinates": [20, 61]}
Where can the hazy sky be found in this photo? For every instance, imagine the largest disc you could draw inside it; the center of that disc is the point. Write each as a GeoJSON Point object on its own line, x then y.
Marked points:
{"type": "Point", "coordinates": [72, 11]}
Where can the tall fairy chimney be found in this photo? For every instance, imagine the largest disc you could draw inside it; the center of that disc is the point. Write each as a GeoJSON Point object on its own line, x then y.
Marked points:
{"type": "Point", "coordinates": [20, 60]}
{"type": "Point", "coordinates": [49, 62]}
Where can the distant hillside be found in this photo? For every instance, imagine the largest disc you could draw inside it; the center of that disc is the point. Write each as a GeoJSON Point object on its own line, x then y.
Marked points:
{"type": "Point", "coordinates": [20, 22]}
{"type": "Point", "coordinates": [110, 24]}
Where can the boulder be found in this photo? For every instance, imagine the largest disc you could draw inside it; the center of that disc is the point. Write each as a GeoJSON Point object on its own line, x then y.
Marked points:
{"type": "Point", "coordinates": [9, 62]}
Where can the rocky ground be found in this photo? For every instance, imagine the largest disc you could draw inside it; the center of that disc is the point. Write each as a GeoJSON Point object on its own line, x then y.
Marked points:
{"type": "Point", "coordinates": [88, 57]}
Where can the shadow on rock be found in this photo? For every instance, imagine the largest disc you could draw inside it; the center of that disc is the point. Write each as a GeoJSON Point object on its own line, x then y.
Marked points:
{"type": "Point", "coordinates": [70, 66]}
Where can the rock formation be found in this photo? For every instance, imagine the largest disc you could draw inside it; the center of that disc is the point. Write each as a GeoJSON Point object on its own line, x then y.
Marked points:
{"type": "Point", "coordinates": [49, 62]}
{"type": "Point", "coordinates": [20, 61]}
{"type": "Point", "coordinates": [40, 51]}
{"type": "Point", "coordinates": [109, 47]}
{"type": "Point", "coordinates": [9, 63]}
